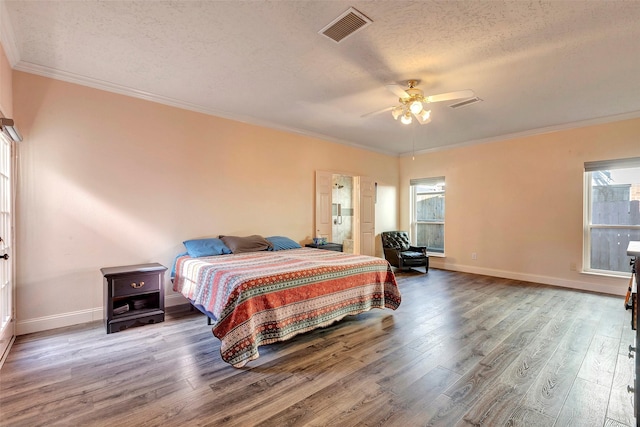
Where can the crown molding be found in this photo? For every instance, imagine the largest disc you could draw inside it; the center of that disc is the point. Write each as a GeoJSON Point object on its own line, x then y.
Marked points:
{"type": "Point", "coordinates": [68, 77]}
{"type": "Point", "coordinates": [104, 85]}
{"type": "Point", "coordinates": [148, 96]}
{"type": "Point", "coordinates": [532, 132]}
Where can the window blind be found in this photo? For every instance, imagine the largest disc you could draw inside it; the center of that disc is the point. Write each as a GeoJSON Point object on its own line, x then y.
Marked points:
{"type": "Point", "coordinates": [427, 181]}
{"type": "Point", "coordinates": [632, 162]}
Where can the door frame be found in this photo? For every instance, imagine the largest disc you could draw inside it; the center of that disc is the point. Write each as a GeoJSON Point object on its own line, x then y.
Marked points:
{"type": "Point", "coordinates": [8, 333]}
{"type": "Point", "coordinates": [323, 206]}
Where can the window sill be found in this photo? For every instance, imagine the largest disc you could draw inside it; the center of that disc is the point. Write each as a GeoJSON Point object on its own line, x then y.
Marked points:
{"type": "Point", "coordinates": [436, 254]}
{"type": "Point", "coordinates": [612, 274]}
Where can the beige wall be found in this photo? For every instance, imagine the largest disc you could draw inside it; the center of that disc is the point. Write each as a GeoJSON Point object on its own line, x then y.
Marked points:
{"type": "Point", "coordinates": [519, 203]}
{"type": "Point", "coordinates": [108, 180]}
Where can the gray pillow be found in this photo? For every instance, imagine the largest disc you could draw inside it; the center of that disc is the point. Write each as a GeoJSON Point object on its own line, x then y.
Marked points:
{"type": "Point", "coordinates": [253, 243]}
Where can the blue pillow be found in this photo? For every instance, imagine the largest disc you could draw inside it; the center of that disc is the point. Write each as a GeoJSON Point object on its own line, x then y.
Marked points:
{"type": "Point", "coordinates": [206, 247]}
{"type": "Point", "coordinates": [280, 242]}
{"type": "Point", "coordinates": [175, 261]}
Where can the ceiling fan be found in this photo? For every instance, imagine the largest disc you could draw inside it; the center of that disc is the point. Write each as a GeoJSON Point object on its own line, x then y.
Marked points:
{"type": "Point", "coordinates": [413, 102]}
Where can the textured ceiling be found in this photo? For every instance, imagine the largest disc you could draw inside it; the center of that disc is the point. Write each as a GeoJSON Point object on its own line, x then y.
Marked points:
{"type": "Point", "coordinates": [538, 66]}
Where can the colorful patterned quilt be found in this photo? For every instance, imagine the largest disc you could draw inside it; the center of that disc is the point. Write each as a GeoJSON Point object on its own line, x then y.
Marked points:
{"type": "Point", "coordinates": [262, 297]}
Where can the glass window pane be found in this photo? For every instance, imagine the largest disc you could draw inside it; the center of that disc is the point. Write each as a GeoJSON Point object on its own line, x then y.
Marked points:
{"type": "Point", "coordinates": [615, 197]}
{"type": "Point", "coordinates": [431, 236]}
{"type": "Point", "coordinates": [609, 248]}
{"type": "Point", "coordinates": [428, 210]}
{"type": "Point", "coordinates": [615, 201]}
{"type": "Point", "coordinates": [430, 207]}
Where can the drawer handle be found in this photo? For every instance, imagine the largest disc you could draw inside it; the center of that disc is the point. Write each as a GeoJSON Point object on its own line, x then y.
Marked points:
{"type": "Point", "coordinates": [135, 285]}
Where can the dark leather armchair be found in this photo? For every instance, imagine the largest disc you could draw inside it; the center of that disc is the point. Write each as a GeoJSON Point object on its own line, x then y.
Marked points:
{"type": "Point", "coordinates": [399, 252]}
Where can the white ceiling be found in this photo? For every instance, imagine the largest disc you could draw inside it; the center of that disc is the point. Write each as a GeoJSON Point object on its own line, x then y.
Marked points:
{"type": "Point", "coordinates": [538, 66]}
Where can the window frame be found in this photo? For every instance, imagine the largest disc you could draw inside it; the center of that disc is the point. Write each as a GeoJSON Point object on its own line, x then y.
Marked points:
{"type": "Point", "coordinates": [413, 233]}
{"type": "Point", "coordinates": [589, 169]}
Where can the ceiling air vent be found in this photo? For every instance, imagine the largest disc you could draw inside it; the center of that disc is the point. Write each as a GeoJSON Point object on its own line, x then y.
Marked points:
{"type": "Point", "coordinates": [346, 24]}
{"type": "Point", "coordinates": [465, 102]}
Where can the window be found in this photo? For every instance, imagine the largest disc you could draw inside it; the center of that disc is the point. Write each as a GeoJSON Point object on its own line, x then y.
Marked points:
{"type": "Point", "coordinates": [427, 210]}
{"type": "Point", "coordinates": [612, 214]}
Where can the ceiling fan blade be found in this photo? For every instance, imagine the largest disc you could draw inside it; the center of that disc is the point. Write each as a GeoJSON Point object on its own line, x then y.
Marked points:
{"type": "Point", "coordinates": [468, 93]}
{"type": "Point", "coordinates": [398, 91]}
{"type": "Point", "coordinates": [377, 112]}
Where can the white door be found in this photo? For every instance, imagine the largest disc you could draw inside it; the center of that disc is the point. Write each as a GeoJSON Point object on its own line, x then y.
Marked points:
{"type": "Point", "coordinates": [7, 323]}
{"type": "Point", "coordinates": [366, 216]}
{"type": "Point", "coordinates": [323, 204]}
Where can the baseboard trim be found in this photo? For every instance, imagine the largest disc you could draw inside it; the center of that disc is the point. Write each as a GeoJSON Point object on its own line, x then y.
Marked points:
{"type": "Point", "coordinates": [61, 320]}
{"type": "Point", "coordinates": [609, 285]}
{"type": "Point", "coordinates": [38, 324]}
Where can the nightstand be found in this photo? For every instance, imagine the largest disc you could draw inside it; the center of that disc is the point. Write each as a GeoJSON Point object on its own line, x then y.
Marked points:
{"type": "Point", "coordinates": [327, 246]}
{"type": "Point", "coordinates": [133, 295]}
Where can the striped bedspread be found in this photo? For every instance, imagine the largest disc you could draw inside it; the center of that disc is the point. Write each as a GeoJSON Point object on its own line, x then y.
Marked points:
{"type": "Point", "coordinates": [262, 297]}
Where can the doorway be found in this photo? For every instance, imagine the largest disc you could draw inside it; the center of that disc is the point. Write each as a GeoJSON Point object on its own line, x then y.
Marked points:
{"type": "Point", "coordinates": [346, 215]}
{"type": "Point", "coordinates": [342, 210]}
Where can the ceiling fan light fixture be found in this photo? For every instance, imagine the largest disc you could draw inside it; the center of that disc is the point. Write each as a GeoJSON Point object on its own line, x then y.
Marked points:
{"type": "Point", "coordinates": [416, 107]}
{"type": "Point", "coordinates": [413, 103]}
{"type": "Point", "coordinates": [424, 115]}
{"type": "Point", "coordinates": [396, 112]}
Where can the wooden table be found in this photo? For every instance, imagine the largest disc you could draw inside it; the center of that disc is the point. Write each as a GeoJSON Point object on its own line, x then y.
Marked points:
{"type": "Point", "coordinates": [133, 295]}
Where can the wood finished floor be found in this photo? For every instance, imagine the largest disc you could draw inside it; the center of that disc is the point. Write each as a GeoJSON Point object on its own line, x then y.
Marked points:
{"type": "Point", "coordinates": [461, 350]}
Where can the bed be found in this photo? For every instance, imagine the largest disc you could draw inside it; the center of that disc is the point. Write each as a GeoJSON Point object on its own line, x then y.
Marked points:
{"type": "Point", "coordinates": [260, 297]}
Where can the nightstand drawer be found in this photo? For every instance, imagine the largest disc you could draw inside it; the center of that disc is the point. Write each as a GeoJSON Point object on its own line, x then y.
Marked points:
{"type": "Point", "coordinates": [138, 284]}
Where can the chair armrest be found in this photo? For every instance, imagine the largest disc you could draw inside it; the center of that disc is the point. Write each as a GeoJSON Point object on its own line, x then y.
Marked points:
{"type": "Point", "coordinates": [392, 255]}
{"type": "Point", "coordinates": [422, 249]}
{"type": "Point", "coordinates": [391, 251]}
